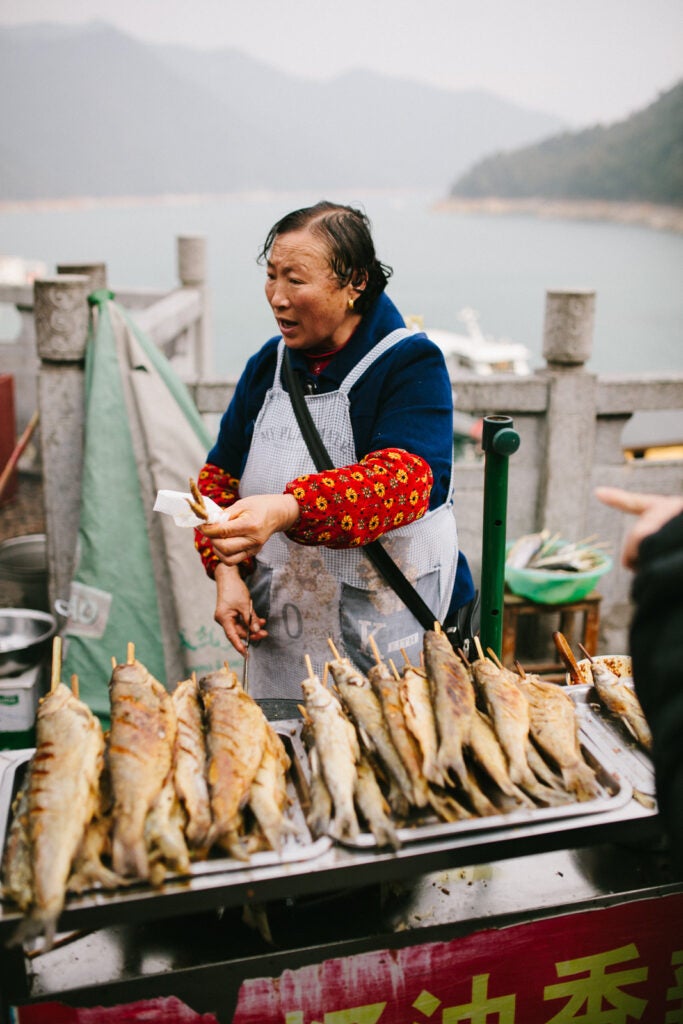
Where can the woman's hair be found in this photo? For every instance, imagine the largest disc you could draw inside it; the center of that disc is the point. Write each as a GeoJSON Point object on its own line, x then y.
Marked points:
{"type": "Point", "coordinates": [347, 235]}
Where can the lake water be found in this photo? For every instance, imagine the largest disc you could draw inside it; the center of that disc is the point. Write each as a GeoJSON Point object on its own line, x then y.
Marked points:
{"type": "Point", "coordinates": [501, 266]}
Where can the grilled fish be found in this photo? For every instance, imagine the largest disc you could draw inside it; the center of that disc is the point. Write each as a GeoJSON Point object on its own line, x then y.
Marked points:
{"type": "Point", "coordinates": [555, 728]}
{"type": "Point", "coordinates": [454, 705]}
{"type": "Point", "coordinates": [268, 795]}
{"type": "Point", "coordinates": [338, 751]}
{"type": "Point", "coordinates": [189, 762]}
{"type": "Point", "coordinates": [373, 806]}
{"type": "Point", "coordinates": [416, 702]}
{"type": "Point", "coordinates": [236, 739]}
{"type": "Point", "coordinates": [320, 807]}
{"type": "Point", "coordinates": [509, 711]}
{"type": "Point", "coordinates": [488, 753]}
{"type": "Point", "coordinates": [622, 701]}
{"type": "Point", "coordinates": [62, 798]}
{"type": "Point", "coordinates": [143, 728]}
{"type": "Point", "coordinates": [386, 686]}
{"type": "Point", "coordinates": [365, 709]}
{"type": "Point", "coordinates": [17, 873]}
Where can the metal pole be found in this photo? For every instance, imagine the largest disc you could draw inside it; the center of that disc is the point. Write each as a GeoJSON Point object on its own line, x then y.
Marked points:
{"type": "Point", "coordinates": [499, 441]}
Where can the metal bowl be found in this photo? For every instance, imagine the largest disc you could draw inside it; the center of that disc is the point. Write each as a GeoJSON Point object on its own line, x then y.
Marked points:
{"type": "Point", "coordinates": [25, 637]}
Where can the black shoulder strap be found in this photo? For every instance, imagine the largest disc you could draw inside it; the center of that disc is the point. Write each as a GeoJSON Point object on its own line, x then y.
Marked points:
{"type": "Point", "coordinates": [379, 557]}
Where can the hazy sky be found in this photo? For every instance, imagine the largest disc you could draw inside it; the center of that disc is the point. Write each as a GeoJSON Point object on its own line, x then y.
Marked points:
{"type": "Point", "coordinates": [585, 60]}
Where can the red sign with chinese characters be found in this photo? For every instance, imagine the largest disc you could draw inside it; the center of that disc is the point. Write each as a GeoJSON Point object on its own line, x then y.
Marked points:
{"type": "Point", "coordinates": [611, 965]}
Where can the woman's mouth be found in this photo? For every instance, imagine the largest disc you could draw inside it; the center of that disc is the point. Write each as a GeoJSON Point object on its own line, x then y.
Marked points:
{"type": "Point", "coordinates": [286, 326]}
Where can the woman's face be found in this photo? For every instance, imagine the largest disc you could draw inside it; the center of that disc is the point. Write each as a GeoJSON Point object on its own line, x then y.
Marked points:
{"type": "Point", "coordinates": [311, 309]}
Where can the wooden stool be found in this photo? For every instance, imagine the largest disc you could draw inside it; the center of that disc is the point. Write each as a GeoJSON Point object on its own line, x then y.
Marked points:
{"type": "Point", "coordinates": [515, 607]}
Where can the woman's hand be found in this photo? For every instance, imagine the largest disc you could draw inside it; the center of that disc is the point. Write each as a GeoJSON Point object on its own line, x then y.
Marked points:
{"type": "Point", "coordinates": [252, 521]}
{"type": "Point", "coordinates": [653, 511]}
{"type": "Point", "coordinates": [234, 611]}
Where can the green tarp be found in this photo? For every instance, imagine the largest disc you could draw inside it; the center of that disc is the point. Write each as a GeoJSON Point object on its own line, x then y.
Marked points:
{"type": "Point", "coordinates": [138, 578]}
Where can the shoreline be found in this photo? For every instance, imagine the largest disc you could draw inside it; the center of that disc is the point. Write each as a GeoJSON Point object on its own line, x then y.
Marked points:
{"type": "Point", "coordinates": [650, 215]}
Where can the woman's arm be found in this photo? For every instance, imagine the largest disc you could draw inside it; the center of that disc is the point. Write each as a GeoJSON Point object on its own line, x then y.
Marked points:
{"type": "Point", "coordinates": [354, 505]}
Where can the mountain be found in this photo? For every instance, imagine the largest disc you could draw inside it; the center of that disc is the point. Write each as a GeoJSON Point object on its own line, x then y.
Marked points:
{"type": "Point", "coordinates": [639, 159]}
{"type": "Point", "coordinates": [95, 112]}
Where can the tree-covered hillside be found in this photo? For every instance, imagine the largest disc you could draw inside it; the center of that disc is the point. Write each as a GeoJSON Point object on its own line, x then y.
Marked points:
{"type": "Point", "coordinates": [636, 160]}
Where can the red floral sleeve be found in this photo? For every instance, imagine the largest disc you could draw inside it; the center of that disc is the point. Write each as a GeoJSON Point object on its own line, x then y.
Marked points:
{"type": "Point", "coordinates": [222, 488]}
{"type": "Point", "coordinates": [351, 506]}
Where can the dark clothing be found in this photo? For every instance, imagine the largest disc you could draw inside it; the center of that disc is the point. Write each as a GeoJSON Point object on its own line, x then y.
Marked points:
{"type": "Point", "coordinates": [657, 653]}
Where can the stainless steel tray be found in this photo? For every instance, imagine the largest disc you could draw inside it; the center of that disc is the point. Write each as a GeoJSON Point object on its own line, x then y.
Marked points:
{"type": "Point", "coordinates": [616, 790]}
{"type": "Point", "coordinates": [615, 741]}
{"type": "Point", "coordinates": [300, 846]}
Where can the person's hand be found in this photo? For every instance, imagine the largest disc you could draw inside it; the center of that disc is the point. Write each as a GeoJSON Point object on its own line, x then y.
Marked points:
{"type": "Point", "coordinates": [252, 521]}
{"type": "Point", "coordinates": [234, 611]}
{"type": "Point", "coordinates": [653, 511]}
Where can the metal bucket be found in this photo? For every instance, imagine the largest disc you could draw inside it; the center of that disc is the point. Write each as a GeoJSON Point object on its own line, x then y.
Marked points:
{"type": "Point", "coordinates": [23, 564]}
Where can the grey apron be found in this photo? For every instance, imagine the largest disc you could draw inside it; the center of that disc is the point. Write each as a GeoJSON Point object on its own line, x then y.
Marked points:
{"type": "Point", "coordinates": [309, 594]}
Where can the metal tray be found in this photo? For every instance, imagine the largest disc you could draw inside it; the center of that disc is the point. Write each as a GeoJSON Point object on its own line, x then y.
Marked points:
{"type": "Point", "coordinates": [616, 790]}
{"type": "Point", "coordinates": [297, 847]}
{"type": "Point", "coordinates": [615, 740]}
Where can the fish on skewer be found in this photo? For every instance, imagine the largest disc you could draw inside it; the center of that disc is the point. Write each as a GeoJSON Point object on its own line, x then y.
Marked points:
{"type": "Point", "coordinates": [61, 800]}
{"type": "Point", "coordinates": [555, 729]}
{"type": "Point", "coordinates": [385, 683]}
{"type": "Point", "coordinates": [372, 805]}
{"type": "Point", "coordinates": [489, 755]}
{"type": "Point", "coordinates": [338, 752]}
{"type": "Point", "coordinates": [364, 707]}
{"type": "Point", "coordinates": [621, 700]}
{"type": "Point", "coordinates": [509, 712]}
{"type": "Point", "coordinates": [140, 754]}
{"type": "Point", "coordinates": [189, 762]}
{"type": "Point", "coordinates": [454, 704]}
{"type": "Point", "coordinates": [416, 701]}
{"type": "Point", "coordinates": [268, 794]}
{"type": "Point", "coordinates": [236, 739]}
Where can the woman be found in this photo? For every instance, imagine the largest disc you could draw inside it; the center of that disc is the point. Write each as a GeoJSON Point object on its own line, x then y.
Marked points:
{"type": "Point", "coordinates": [290, 556]}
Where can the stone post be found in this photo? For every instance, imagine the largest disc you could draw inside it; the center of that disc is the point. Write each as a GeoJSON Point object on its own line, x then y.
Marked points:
{"type": "Point", "coordinates": [61, 319]}
{"type": "Point", "coordinates": [97, 272]}
{"type": "Point", "coordinates": [571, 413]}
{"type": "Point", "coordinates": [191, 258]}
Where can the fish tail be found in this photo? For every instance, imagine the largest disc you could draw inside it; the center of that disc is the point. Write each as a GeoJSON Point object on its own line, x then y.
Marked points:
{"type": "Point", "coordinates": [581, 781]}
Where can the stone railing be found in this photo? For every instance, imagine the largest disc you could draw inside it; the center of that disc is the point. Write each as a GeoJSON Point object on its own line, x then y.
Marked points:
{"type": "Point", "coordinates": [570, 422]}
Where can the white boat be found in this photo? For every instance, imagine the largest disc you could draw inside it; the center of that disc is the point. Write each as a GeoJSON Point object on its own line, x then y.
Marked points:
{"type": "Point", "coordinates": [475, 351]}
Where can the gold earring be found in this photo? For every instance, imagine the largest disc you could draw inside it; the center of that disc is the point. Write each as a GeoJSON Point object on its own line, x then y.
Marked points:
{"type": "Point", "coordinates": [351, 303]}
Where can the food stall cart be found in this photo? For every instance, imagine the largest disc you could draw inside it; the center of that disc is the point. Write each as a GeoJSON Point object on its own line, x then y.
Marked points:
{"type": "Point", "coordinates": [554, 913]}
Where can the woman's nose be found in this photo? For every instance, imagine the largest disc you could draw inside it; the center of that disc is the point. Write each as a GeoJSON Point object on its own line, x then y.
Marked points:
{"type": "Point", "coordinates": [278, 297]}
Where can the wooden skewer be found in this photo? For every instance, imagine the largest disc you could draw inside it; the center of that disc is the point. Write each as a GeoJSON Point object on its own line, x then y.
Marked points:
{"type": "Point", "coordinates": [309, 666]}
{"type": "Point", "coordinates": [520, 669]}
{"type": "Point", "coordinates": [480, 650]}
{"type": "Point", "coordinates": [113, 662]}
{"type": "Point", "coordinates": [326, 672]}
{"type": "Point", "coordinates": [335, 652]}
{"type": "Point", "coordinates": [494, 657]}
{"type": "Point", "coordinates": [130, 653]}
{"type": "Point", "coordinates": [56, 663]}
{"type": "Point", "coordinates": [586, 654]}
{"type": "Point", "coordinates": [463, 657]}
{"type": "Point", "coordinates": [74, 686]}
{"type": "Point", "coordinates": [404, 654]}
{"type": "Point", "coordinates": [397, 674]}
{"type": "Point", "coordinates": [375, 651]}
